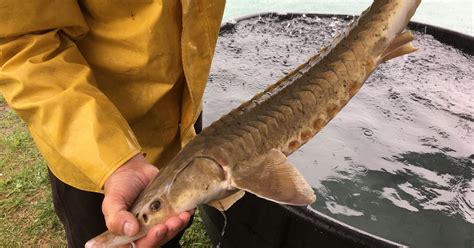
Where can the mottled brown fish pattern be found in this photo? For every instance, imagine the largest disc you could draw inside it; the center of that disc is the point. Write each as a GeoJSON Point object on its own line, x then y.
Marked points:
{"type": "Point", "coordinates": [246, 150]}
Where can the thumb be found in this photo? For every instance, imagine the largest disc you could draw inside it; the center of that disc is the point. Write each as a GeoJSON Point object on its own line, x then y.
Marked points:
{"type": "Point", "coordinates": [117, 218]}
{"type": "Point", "coordinates": [121, 189]}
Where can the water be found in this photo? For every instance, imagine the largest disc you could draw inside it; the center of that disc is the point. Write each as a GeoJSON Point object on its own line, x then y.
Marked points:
{"type": "Point", "coordinates": [456, 14]}
{"type": "Point", "coordinates": [398, 160]}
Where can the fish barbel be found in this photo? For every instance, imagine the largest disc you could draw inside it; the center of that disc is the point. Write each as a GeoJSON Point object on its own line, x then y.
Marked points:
{"type": "Point", "coordinates": [247, 149]}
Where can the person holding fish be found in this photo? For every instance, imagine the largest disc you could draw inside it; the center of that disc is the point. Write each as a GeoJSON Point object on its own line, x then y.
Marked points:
{"type": "Point", "coordinates": [108, 89]}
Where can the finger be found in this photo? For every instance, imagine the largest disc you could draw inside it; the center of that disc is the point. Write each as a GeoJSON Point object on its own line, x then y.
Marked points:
{"type": "Point", "coordinates": [162, 233]}
{"type": "Point", "coordinates": [122, 222]}
{"type": "Point", "coordinates": [185, 216]}
{"type": "Point", "coordinates": [113, 203]}
{"type": "Point", "coordinates": [155, 237]}
{"type": "Point", "coordinates": [150, 173]}
{"type": "Point", "coordinates": [191, 212]}
{"type": "Point", "coordinates": [125, 246]}
{"type": "Point", "coordinates": [117, 218]}
{"type": "Point", "coordinates": [147, 173]}
{"type": "Point", "coordinates": [174, 225]}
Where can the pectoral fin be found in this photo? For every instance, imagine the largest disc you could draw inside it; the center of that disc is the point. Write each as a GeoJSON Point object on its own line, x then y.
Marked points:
{"type": "Point", "coordinates": [271, 177]}
{"type": "Point", "coordinates": [226, 203]}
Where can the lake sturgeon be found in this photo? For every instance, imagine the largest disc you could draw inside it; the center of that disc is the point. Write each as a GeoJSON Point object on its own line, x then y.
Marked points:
{"type": "Point", "coordinates": [247, 149]}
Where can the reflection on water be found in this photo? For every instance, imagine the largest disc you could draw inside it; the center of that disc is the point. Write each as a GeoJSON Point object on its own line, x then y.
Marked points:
{"type": "Point", "coordinates": [397, 161]}
{"type": "Point", "coordinates": [427, 202]}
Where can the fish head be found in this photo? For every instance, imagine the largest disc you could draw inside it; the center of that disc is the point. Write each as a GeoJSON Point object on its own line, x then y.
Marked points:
{"type": "Point", "coordinates": [200, 181]}
{"type": "Point", "coordinates": [180, 186]}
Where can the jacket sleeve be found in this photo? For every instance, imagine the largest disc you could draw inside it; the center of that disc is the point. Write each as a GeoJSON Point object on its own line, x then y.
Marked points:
{"type": "Point", "coordinates": [46, 80]}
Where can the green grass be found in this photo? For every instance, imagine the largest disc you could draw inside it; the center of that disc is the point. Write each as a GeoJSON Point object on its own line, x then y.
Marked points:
{"type": "Point", "coordinates": [27, 214]}
{"type": "Point", "coordinates": [27, 217]}
{"type": "Point", "coordinates": [195, 236]}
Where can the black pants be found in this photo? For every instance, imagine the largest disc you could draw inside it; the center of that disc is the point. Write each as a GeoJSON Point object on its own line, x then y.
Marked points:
{"type": "Point", "coordinates": [81, 214]}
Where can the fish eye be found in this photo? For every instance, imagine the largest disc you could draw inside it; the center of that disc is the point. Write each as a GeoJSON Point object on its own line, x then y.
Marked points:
{"type": "Point", "coordinates": [155, 206]}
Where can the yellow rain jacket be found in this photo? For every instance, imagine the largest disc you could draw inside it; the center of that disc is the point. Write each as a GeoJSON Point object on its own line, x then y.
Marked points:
{"type": "Point", "coordinates": [99, 81]}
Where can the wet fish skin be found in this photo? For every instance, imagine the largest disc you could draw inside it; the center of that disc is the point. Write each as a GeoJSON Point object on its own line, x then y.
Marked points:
{"type": "Point", "coordinates": [246, 149]}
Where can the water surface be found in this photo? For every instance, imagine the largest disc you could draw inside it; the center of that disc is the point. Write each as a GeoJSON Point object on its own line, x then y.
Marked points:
{"type": "Point", "coordinates": [452, 14]}
{"type": "Point", "coordinates": [397, 161]}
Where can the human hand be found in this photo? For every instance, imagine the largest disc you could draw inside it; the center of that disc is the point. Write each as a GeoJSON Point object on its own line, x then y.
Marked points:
{"type": "Point", "coordinates": [121, 189]}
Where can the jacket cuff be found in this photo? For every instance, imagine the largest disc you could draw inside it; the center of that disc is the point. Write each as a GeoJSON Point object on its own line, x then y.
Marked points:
{"type": "Point", "coordinates": [115, 166]}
